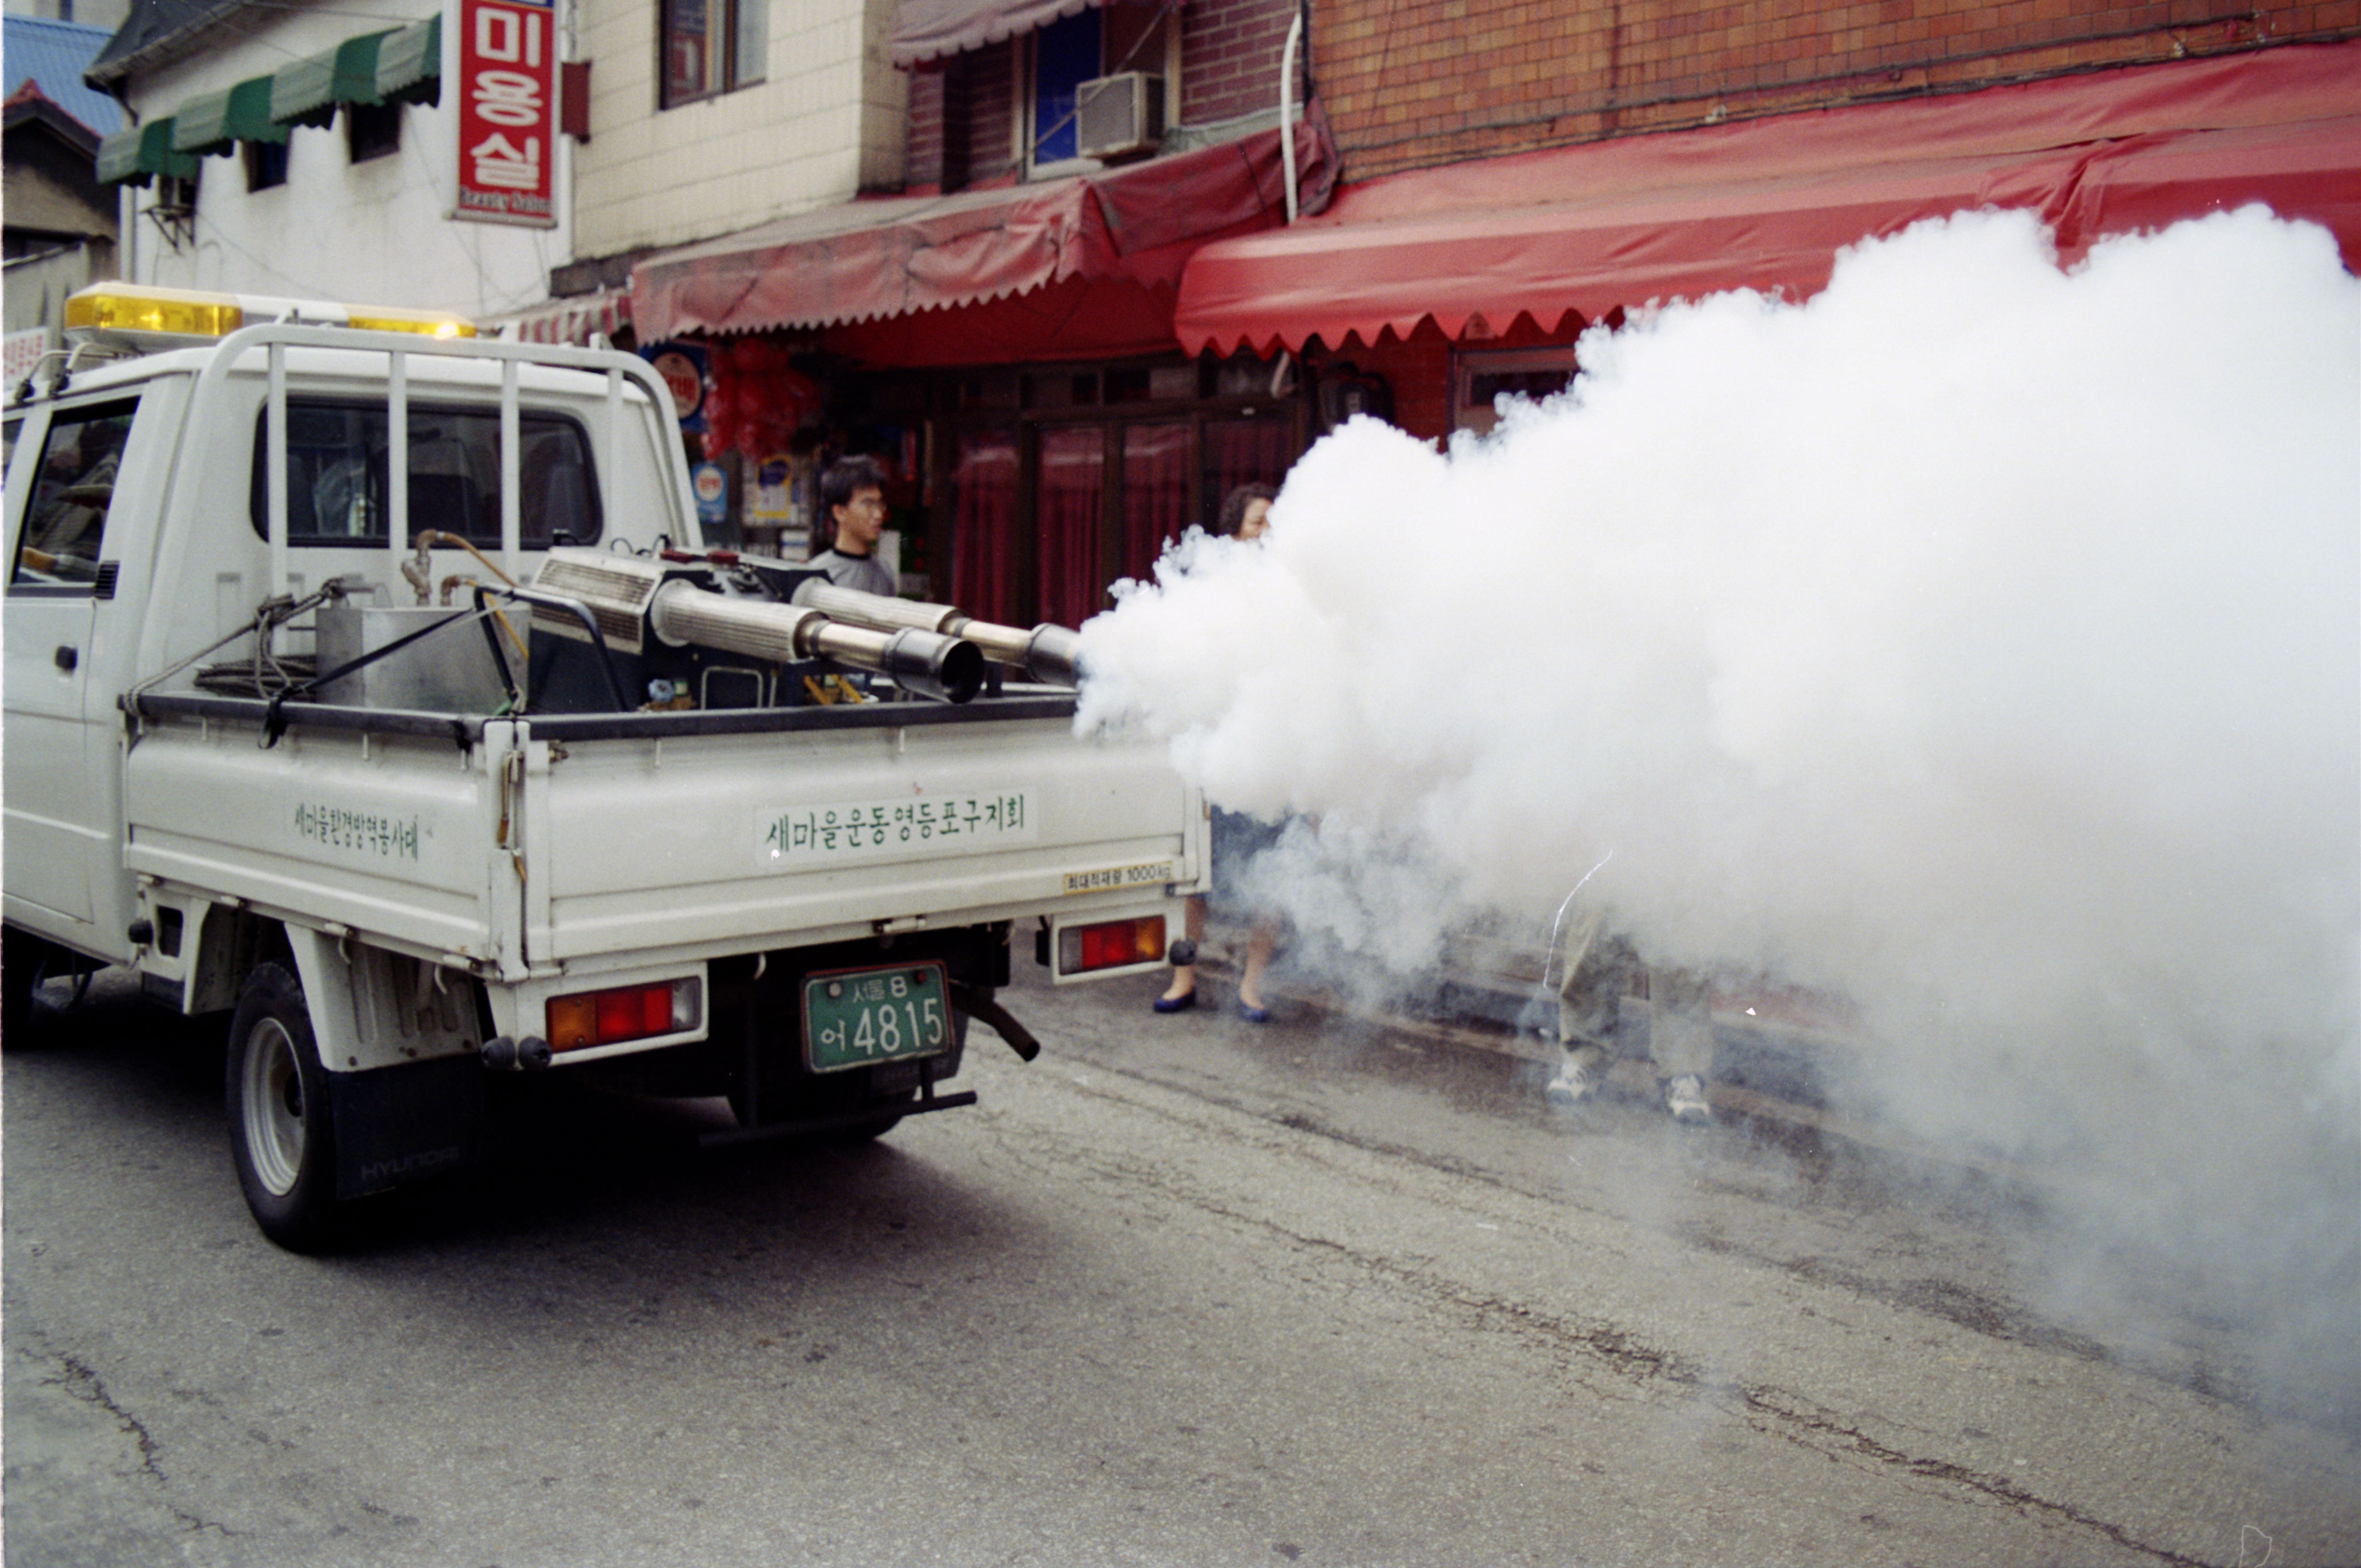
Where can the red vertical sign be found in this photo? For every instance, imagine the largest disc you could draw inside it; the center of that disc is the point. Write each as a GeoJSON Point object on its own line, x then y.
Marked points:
{"type": "Point", "coordinates": [508, 111]}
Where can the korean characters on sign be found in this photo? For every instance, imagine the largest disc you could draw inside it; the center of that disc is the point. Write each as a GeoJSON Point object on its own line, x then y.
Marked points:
{"type": "Point", "coordinates": [508, 111]}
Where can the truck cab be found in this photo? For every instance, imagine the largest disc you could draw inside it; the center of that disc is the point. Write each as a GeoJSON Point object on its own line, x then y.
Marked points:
{"type": "Point", "coordinates": [130, 548]}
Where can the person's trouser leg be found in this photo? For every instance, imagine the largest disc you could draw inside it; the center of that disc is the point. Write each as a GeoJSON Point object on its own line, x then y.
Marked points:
{"type": "Point", "coordinates": [1680, 1023]}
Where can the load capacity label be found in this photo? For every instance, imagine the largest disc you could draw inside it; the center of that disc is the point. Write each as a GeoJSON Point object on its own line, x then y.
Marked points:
{"type": "Point", "coordinates": [1147, 873]}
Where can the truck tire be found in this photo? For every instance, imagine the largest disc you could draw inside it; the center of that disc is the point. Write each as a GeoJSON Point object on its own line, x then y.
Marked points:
{"type": "Point", "coordinates": [281, 1135]}
{"type": "Point", "coordinates": [875, 1127]}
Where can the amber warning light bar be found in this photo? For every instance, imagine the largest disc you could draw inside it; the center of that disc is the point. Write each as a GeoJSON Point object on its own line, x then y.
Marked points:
{"type": "Point", "coordinates": [136, 315]}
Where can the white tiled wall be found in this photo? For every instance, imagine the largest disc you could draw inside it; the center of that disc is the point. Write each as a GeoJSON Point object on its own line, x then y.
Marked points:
{"type": "Point", "coordinates": [379, 232]}
{"type": "Point", "coordinates": [827, 121]}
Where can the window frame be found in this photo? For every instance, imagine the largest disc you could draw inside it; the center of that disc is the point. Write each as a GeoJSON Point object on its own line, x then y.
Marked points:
{"type": "Point", "coordinates": [76, 415]}
{"type": "Point", "coordinates": [742, 29]}
{"type": "Point", "coordinates": [531, 422]}
{"type": "Point", "coordinates": [1468, 366]}
{"type": "Point", "coordinates": [1015, 405]}
{"type": "Point", "coordinates": [1114, 18]}
{"type": "Point", "coordinates": [371, 131]}
{"type": "Point", "coordinates": [266, 164]}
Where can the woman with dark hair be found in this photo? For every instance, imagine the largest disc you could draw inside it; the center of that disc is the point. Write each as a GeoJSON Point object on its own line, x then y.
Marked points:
{"type": "Point", "coordinates": [1237, 839]}
{"type": "Point", "coordinates": [1234, 521]}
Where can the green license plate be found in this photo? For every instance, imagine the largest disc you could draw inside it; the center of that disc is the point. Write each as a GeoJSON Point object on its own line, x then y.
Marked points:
{"type": "Point", "coordinates": [860, 1017]}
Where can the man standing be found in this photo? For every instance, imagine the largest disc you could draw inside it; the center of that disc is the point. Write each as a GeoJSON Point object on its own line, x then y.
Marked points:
{"type": "Point", "coordinates": [852, 493]}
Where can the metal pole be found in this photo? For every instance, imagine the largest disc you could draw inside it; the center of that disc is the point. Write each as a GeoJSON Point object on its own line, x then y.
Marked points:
{"type": "Point", "coordinates": [275, 454]}
{"type": "Point", "coordinates": [1287, 108]}
{"type": "Point", "coordinates": [511, 473]}
{"type": "Point", "coordinates": [397, 472]}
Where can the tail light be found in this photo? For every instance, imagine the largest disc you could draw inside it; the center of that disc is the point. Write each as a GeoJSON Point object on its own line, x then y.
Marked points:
{"type": "Point", "coordinates": [1114, 944]}
{"type": "Point", "coordinates": [589, 1018]}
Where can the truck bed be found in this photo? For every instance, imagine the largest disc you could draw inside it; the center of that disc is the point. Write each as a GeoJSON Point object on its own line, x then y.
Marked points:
{"type": "Point", "coordinates": [526, 847]}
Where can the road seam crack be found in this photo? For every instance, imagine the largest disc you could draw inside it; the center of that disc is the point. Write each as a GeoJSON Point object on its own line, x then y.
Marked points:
{"type": "Point", "coordinates": [1771, 1409]}
{"type": "Point", "coordinates": [79, 1380]}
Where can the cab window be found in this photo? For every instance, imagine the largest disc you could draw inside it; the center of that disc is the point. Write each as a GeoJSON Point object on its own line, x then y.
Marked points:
{"type": "Point", "coordinates": [72, 485]}
{"type": "Point", "coordinates": [337, 469]}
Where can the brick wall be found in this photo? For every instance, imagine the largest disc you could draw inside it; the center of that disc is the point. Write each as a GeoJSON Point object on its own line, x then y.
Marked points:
{"type": "Point", "coordinates": [824, 123]}
{"type": "Point", "coordinates": [959, 128]}
{"type": "Point", "coordinates": [987, 79]}
{"type": "Point", "coordinates": [962, 109]}
{"type": "Point", "coordinates": [1410, 83]}
{"type": "Point", "coordinates": [1230, 53]}
{"type": "Point", "coordinates": [922, 151]}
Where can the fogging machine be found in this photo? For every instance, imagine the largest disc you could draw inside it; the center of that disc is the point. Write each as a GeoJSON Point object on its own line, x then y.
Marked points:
{"type": "Point", "coordinates": [726, 629]}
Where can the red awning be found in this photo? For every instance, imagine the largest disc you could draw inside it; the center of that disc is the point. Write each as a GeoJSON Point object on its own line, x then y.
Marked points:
{"type": "Point", "coordinates": [572, 320]}
{"type": "Point", "coordinates": [929, 30]}
{"type": "Point", "coordinates": [1130, 228]}
{"type": "Point", "coordinates": [1767, 204]}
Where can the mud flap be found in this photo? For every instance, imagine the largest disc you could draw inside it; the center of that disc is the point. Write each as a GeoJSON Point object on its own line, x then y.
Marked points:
{"type": "Point", "coordinates": [396, 1126]}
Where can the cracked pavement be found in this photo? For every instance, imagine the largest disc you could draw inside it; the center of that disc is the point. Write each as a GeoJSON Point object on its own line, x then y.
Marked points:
{"type": "Point", "coordinates": [1184, 1291]}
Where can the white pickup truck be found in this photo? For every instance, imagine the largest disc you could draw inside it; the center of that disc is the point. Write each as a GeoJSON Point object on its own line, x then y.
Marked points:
{"type": "Point", "coordinates": [616, 806]}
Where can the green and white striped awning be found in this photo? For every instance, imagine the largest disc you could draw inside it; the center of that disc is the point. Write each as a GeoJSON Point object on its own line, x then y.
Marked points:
{"type": "Point", "coordinates": [218, 122]}
{"type": "Point", "coordinates": [403, 65]}
{"type": "Point", "coordinates": [137, 154]}
{"type": "Point", "coordinates": [400, 65]}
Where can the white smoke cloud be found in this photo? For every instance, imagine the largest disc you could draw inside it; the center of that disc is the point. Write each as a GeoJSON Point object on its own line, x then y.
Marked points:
{"type": "Point", "coordinates": [1979, 639]}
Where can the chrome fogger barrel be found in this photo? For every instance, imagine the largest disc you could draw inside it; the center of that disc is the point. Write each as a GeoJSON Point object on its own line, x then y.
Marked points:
{"type": "Point", "coordinates": [1048, 653]}
{"type": "Point", "coordinates": [922, 662]}
{"type": "Point", "coordinates": [949, 669]}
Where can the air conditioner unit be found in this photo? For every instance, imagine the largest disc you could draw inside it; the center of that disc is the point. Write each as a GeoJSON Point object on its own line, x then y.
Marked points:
{"type": "Point", "coordinates": [1119, 115]}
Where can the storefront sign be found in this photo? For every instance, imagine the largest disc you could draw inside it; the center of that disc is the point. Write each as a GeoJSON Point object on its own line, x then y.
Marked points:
{"type": "Point", "coordinates": [681, 366]}
{"type": "Point", "coordinates": [712, 486]}
{"type": "Point", "coordinates": [771, 503]}
{"type": "Point", "coordinates": [508, 111]}
{"type": "Point", "coordinates": [24, 351]}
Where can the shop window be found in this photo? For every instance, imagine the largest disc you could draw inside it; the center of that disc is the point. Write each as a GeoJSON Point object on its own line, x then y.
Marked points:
{"type": "Point", "coordinates": [1240, 451]}
{"type": "Point", "coordinates": [372, 130]}
{"type": "Point", "coordinates": [711, 46]}
{"type": "Point", "coordinates": [1044, 508]}
{"type": "Point", "coordinates": [1155, 494]}
{"type": "Point", "coordinates": [1481, 378]}
{"type": "Point", "coordinates": [986, 391]}
{"type": "Point", "coordinates": [1071, 572]}
{"type": "Point", "coordinates": [983, 526]}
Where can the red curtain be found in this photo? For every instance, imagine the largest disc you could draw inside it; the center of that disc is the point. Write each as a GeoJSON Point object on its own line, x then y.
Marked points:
{"type": "Point", "coordinates": [1071, 487]}
{"type": "Point", "coordinates": [983, 526]}
{"type": "Point", "coordinates": [1241, 451]}
{"type": "Point", "coordinates": [1155, 493]}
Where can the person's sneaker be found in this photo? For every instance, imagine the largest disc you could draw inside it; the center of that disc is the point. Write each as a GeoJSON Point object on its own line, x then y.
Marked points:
{"type": "Point", "coordinates": [1685, 1098]}
{"type": "Point", "coordinates": [1574, 1083]}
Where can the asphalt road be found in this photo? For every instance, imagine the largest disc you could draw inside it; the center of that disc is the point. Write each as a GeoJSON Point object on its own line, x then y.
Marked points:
{"type": "Point", "coordinates": [1184, 1292]}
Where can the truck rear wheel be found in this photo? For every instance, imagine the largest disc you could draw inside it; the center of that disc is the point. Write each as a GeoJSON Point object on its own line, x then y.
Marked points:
{"type": "Point", "coordinates": [876, 1126]}
{"type": "Point", "coordinates": [280, 1134]}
